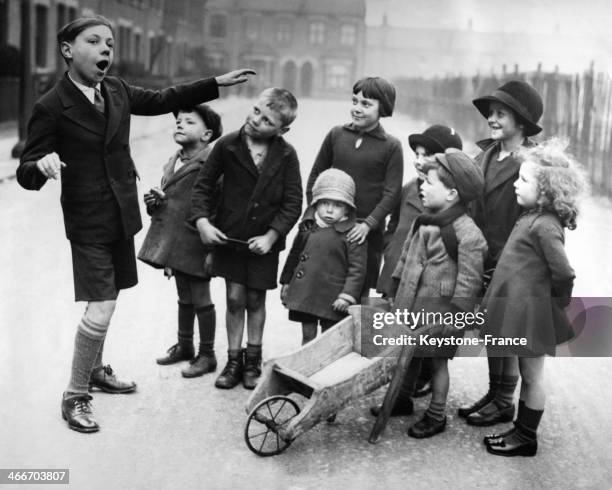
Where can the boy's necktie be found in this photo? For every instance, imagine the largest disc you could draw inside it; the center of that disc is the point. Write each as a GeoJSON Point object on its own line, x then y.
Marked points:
{"type": "Point", "coordinates": [99, 101]}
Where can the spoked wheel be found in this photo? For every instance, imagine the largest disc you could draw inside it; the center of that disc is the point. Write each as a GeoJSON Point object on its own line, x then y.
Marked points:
{"type": "Point", "coordinates": [264, 422]}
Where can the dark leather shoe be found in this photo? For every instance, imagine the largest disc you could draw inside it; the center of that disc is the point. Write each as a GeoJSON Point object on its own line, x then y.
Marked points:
{"type": "Point", "coordinates": [513, 446]}
{"type": "Point", "coordinates": [422, 389]}
{"type": "Point", "coordinates": [491, 414]}
{"type": "Point", "coordinates": [199, 366]}
{"type": "Point", "coordinates": [231, 374]}
{"type": "Point", "coordinates": [397, 411]}
{"type": "Point", "coordinates": [252, 371]}
{"type": "Point", "coordinates": [176, 353]}
{"type": "Point", "coordinates": [76, 410]}
{"type": "Point", "coordinates": [104, 379]}
{"type": "Point", "coordinates": [488, 439]}
{"type": "Point", "coordinates": [427, 427]}
{"type": "Point", "coordinates": [474, 407]}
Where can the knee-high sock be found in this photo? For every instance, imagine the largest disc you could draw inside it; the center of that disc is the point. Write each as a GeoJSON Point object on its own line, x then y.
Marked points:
{"type": "Point", "coordinates": [207, 324]}
{"type": "Point", "coordinates": [186, 315]}
{"type": "Point", "coordinates": [87, 344]}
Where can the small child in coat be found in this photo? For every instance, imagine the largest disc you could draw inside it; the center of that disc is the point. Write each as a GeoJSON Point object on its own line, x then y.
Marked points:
{"type": "Point", "coordinates": [533, 283]}
{"type": "Point", "coordinates": [260, 201]}
{"type": "Point", "coordinates": [373, 159]}
{"type": "Point", "coordinates": [324, 272]}
{"type": "Point", "coordinates": [435, 139]}
{"type": "Point", "coordinates": [171, 243]}
{"type": "Point", "coordinates": [441, 266]}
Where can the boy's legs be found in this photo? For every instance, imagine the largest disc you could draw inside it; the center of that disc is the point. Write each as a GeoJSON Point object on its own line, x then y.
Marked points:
{"type": "Point", "coordinates": [236, 298]}
{"type": "Point", "coordinates": [100, 271]}
{"type": "Point", "coordinates": [183, 349]}
{"type": "Point", "coordinates": [434, 419]}
{"type": "Point", "coordinates": [256, 318]}
{"type": "Point", "coordinates": [309, 331]}
{"type": "Point", "coordinates": [205, 362]}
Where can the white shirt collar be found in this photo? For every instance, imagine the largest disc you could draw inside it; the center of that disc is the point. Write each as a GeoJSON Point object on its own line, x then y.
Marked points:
{"type": "Point", "coordinates": [89, 92]}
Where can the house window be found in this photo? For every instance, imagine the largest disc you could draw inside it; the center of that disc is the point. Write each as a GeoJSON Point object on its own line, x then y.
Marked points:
{"type": "Point", "coordinates": [284, 32]}
{"type": "Point", "coordinates": [62, 16]}
{"type": "Point", "coordinates": [338, 77]}
{"type": "Point", "coordinates": [218, 26]}
{"type": "Point", "coordinates": [317, 33]}
{"type": "Point", "coordinates": [72, 14]}
{"type": "Point", "coordinates": [348, 35]}
{"type": "Point", "coordinates": [251, 28]}
{"type": "Point", "coordinates": [137, 44]}
{"type": "Point", "coordinates": [40, 42]}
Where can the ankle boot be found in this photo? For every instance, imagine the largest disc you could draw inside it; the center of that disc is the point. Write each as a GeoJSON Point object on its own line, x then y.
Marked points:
{"type": "Point", "coordinates": [200, 365]}
{"type": "Point", "coordinates": [232, 372]}
{"type": "Point", "coordinates": [252, 366]}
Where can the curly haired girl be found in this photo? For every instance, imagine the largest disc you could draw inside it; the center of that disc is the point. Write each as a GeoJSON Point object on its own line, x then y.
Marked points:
{"type": "Point", "coordinates": [533, 283]}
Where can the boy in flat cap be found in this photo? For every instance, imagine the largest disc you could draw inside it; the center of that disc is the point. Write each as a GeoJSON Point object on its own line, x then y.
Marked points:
{"type": "Point", "coordinates": [440, 268]}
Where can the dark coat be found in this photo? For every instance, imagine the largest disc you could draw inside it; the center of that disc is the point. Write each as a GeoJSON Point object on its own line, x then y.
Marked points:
{"type": "Point", "coordinates": [497, 210]}
{"type": "Point", "coordinates": [323, 266]}
{"type": "Point", "coordinates": [400, 224]}
{"type": "Point", "coordinates": [531, 284]}
{"type": "Point", "coordinates": [99, 196]}
{"type": "Point", "coordinates": [251, 203]}
{"type": "Point", "coordinates": [171, 241]}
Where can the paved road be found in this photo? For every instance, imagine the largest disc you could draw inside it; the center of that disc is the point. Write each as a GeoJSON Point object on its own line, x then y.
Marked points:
{"type": "Point", "coordinates": [177, 433]}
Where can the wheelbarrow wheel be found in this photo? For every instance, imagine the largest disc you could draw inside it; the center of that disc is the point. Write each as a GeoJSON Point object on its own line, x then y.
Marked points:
{"type": "Point", "coordinates": [265, 420]}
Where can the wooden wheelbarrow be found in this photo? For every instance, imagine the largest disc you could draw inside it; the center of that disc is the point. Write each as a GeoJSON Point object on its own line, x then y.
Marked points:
{"type": "Point", "coordinates": [330, 373]}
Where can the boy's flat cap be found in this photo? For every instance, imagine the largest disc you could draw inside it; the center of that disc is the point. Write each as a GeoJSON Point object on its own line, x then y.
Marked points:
{"type": "Point", "coordinates": [468, 177]}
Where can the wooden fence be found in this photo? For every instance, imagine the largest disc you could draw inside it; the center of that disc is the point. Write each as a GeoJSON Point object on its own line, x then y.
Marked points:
{"type": "Point", "coordinates": [578, 107]}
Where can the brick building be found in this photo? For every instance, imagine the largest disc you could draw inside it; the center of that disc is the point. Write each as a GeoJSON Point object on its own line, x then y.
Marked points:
{"type": "Point", "coordinates": [311, 47]}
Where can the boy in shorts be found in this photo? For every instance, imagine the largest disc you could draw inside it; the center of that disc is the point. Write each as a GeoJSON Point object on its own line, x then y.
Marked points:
{"type": "Point", "coordinates": [80, 130]}
{"type": "Point", "coordinates": [260, 201]}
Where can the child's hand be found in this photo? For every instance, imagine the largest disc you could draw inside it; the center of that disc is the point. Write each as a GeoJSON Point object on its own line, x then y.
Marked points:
{"type": "Point", "coordinates": [234, 77]}
{"type": "Point", "coordinates": [157, 192]}
{"type": "Point", "coordinates": [358, 233]}
{"type": "Point", "coordinates": [341, 305]}
{"type": "Point", "coordinates": [209, 234]}
{"type": "Point", "coordinates": [50, 165]}
{"type": "Point", "coordinates": [150, 200]}
{"type": "Point", "coordinates": [263, 244]}
{"type": "Point", "coordinates": [283, 293]}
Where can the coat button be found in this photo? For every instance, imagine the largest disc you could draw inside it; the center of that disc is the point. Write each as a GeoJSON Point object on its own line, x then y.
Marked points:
{"type": "Point", "coordinates": [256, 205]}
{"type": "Point", "coordinates": [303, 257]}
{"type": "Point", "coordinates": [300, 274]}
{"type": "Point", "coordinates": [253, 218]}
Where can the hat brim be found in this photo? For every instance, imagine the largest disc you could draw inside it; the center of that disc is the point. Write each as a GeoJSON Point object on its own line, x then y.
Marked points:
{"type": "Point", "coordinates": [333, 197]}
{"type": "Point", "coordinates": [426, 142]}
{"type": "Point", "coordinates": [482, 104]}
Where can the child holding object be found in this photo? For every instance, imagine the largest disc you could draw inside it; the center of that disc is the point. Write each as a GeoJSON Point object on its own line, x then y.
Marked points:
{"type": "Point", "coordinates": [171, 243]}
{"type": "Point", "coordinates": [260, 201]}
{"type": "Point", "coordinates": [440, 269]}
{"type": "Point", "coordinates": [324, 272]}
{"type": "Point", "coordinates": [533, 283]}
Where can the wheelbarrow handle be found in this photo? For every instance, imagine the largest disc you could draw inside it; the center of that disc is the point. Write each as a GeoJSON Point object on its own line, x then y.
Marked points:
{"type": "Point", "coordinates": [395, 385]}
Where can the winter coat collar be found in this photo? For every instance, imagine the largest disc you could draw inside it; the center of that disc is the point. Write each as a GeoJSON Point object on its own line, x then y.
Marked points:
{"type": "Point", "coordinates": [189, 165]}
{"type": "Point", "coordinates": [378, 132]}
{"type": "Point", "coordinates": [509, 169]}
{"type": "Point", "coordinates": [340, 227]}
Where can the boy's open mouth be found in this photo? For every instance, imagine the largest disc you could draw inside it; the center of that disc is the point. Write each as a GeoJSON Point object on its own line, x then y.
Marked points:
{"type": "Point", "coordinates": [103, 65]}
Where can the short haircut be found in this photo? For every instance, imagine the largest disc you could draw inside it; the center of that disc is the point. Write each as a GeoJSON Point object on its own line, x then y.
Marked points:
{"type": "Point", "coordinates": [211, 119]}
{"type": "Point", "coordinates": [281, 101]}
{"type": "Point", "coordinates": [70, 31]}
{"type": "Point", "coordinates": [444, 175]}
{"type": "Point", "coordinates": [380, 89]}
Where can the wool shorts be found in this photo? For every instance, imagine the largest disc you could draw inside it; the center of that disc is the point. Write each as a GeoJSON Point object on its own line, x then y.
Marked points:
{"type": "Point", "coordinates": [100, 270]}
{"type": "Point", "coordinates": [246, 268]}
{"type": "Point", "coordinates": [302, 317]}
